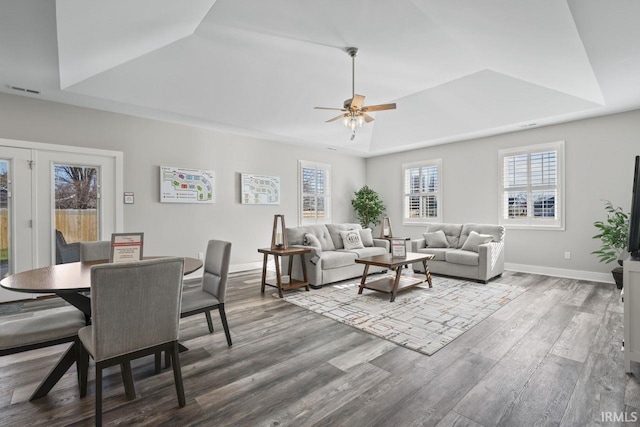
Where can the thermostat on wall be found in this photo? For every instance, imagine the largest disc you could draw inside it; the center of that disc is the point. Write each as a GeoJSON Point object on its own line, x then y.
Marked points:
{"type": "Point", "coordinates": [128, 198]}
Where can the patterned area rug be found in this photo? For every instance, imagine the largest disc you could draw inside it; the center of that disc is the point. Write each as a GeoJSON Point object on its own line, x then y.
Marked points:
{"type": "Point", "coordinates": [421, 319]}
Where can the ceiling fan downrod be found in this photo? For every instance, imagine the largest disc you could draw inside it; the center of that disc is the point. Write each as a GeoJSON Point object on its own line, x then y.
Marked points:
{"type": "Point", "coordinates": [353, 52]}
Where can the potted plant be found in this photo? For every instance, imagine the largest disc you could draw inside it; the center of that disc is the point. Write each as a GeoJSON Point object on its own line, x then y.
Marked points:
{"type": "Point", "coordinates": [613, 234]}
{"type": "Point", "coordinates": [368, 206]}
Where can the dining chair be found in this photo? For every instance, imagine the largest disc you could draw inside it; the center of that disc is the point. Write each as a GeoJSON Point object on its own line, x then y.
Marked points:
{"type": "Point", "coordinates": [214, 286]}
{"type": "Point", "coordinates": [135, 309]}
{"type": "Point", "coordinates": [66, 252]}
{"type": "Point", "coordinates": [94, 251]}
{"type": "Point", "coordinates": [45, 330]}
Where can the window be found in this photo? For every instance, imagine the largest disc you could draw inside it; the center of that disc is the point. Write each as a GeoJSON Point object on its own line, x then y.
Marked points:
{"type": "Point", "coordinates": [422, 192]}
{"type": "Point", "coordinates": [531, 186]}
{"type": "Point", "coordinates": [315, 193]}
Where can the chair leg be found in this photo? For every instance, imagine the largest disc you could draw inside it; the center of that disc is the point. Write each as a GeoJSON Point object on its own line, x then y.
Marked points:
{"type": "Point", "coordinates": [98, 395]}
{"type": "Point", "coordinates": [158, 361]}
{"type": "Point", "coordinates": [209, 322]}
{"type": "Point", "coordinates": [225, 325]}
{"type": "Point", "coordinates": [83, 369]}
{"type": "Point", "coordinates": [127, 380]}
{"type": "Point", "coordinates": [177, 374]}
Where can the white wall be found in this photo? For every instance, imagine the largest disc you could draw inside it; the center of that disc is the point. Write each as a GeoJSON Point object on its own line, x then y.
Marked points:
{"type": "Point", "coordinates": [599, 155]}
{"type": "Point", "coordinates": [183, 230]}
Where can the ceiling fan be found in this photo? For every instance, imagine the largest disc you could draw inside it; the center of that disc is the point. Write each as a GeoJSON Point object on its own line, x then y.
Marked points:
{"type": "Point", "coordinates": [354, 111]}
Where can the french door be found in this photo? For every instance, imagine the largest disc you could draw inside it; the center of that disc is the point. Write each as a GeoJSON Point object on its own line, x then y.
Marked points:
{"type": "Point", "coordinates": [16, 215]}
{"type": "Point", "coordinates": [31, 194]}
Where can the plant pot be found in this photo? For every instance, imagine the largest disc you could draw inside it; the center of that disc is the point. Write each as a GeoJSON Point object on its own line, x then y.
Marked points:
{"type": "Point", "coordinates": [617, 276]}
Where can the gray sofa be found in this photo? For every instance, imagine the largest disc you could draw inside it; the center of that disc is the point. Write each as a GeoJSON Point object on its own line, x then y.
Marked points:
{"type": "Point", "coordinates": [475, 260]}
{"type": "Point", "coordinates": [329, 261]}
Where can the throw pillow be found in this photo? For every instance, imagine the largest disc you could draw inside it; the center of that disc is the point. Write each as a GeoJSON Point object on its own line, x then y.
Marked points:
{"type": "Point", "coordinates": [351, 240]}
{"type": "Point", "coordinates": [366, 236]}
{"type": "Point", "coordinates": [437, 239]}
{"type": "Point", "coordinates": [474, 240]}
{"type": "Point", "coordinates": [311, 240]}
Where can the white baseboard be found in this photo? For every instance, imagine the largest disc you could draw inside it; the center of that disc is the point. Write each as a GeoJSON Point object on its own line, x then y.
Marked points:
{"type": "Point", "coordinates": [236, 268]}
{"type": "Point", "coordinates": [233, 268]}
{"type": "Point", "coordinates": [560, 272]}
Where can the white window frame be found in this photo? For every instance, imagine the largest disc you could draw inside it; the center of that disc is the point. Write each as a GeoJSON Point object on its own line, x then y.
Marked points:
{"type": "Point", "coordinates": [304, 164]}
{"type": "Point", "coordinates": [531, 222]}
{"type": "Point", "coordinates": [422, 220]}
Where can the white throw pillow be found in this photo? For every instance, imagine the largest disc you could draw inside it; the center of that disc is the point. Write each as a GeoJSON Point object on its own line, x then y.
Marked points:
{"type": "Point", "coordinates": [474, 240]}
{"type": "Point", "coordinates": [367, 237]}
{"type": "Point", "coordinates": [351, 240]}
{"type": "Point", "coordinates": [437, 239]}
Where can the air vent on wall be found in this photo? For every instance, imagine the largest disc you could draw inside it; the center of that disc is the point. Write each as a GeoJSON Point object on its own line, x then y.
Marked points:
{"type": "Point", "coordinates": [21, 89]}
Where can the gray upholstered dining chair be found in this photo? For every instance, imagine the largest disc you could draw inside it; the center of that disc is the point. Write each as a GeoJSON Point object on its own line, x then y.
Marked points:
{"type": "Point", "coordinates": [214, 286]}
{"type": "Point", "coordinates": [135, 309]}
{"type": "Point", "coordinates": [44, 330]}
{"type": "Point", "coordinates": [94, 251]}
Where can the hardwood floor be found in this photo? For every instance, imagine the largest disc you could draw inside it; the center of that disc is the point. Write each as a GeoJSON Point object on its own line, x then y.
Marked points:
{"type": "Point", "coordinates": [550, 357]}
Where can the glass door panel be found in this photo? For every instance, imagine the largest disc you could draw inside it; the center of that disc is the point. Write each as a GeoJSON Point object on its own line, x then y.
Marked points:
{"type": "Point", "coordinates": [76, 204]}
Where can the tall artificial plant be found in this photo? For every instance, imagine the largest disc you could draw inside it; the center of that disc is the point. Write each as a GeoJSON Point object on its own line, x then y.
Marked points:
{"type": "Point", "coordinates": [613, 233]}
{"type": "Point", "coordinates": [368, 206]}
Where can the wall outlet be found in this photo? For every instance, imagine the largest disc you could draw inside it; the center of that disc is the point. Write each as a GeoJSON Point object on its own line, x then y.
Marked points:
{"type": "Point", "coordinates": [567, 255]}
{"type": "Point", "coordinates": [200, 256]}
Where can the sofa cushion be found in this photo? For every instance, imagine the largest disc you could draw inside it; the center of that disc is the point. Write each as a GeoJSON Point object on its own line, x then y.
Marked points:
{"type": "Point", "coordinates": [458, 256]}
{"type": "Point", "coordinates": [437, 239]}
{"type": "Point", "coordinates": [311, 240]}
{"type": "Point", "coordinates": [365, 252]}
{"type": "Point", "coordinates": [351, 239]}
{"type": "Point", "coordinates": [438, 252]}
{"type": "Point", "coordinates": [295, 235]}
{"type": "Point", "coordinates": [337, 259]}
{"type": "Point", "coordinates": [474, 240]}
{"type": "Point", "coordinates": [497, 231]}
{"type": "Point", "coordinates": [366, 236]}
{"type": "Point", "coordinates": [334, 232]}
{"type": "Point", "coordinates": [452, 231]}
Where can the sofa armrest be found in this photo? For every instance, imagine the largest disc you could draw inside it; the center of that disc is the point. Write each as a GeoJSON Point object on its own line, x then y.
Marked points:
{"type": "Point", "coordinates": [381, 243]}
{"type": "Point", "coordinates": [312, 261]}
{"type": "Point", "coordinates": [418, 244]}
{"type": "Point", "coordinates": [491, 259]}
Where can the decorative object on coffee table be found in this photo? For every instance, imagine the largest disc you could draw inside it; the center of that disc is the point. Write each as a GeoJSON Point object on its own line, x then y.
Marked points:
{"type": "Point", "coordinates": [385, 229]}
{"type": "Point", "coordinates": [278, 236]}
{"type": "Point", "coordinates": [613, 234]}
{"type": "Point", "coordinates": [291, 283]}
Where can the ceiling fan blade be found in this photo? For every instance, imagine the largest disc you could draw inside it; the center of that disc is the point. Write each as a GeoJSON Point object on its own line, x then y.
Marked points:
{"type": "Point", "coordinates": [380, 107]}
{"type": "Point", "coordinates": [329, 108]}
{"type": "Point", "coordinates": [335, 118]}
{"type": "Point", "coordinates": [357, 102]}
{"type": "Point", "coordinates": [367, 118]}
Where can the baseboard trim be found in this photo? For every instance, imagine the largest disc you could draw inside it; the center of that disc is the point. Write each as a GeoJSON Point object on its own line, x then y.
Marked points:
{"type": "Point", "coordinates": [560, 272]}
{"type": "Point", "coordinates": [233, 268]}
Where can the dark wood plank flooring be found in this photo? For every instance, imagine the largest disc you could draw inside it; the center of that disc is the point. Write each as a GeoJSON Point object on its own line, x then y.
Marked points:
{"type": "Point", "coordinates": [550, 357]}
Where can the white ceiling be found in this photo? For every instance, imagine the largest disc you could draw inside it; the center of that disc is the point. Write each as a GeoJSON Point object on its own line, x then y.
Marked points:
{"type": "Point", "coordinates": [457, 69]}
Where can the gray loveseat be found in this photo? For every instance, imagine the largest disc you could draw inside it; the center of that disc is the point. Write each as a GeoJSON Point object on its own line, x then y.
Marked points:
{"type": "Point", "coordinates": [329, 261]}
{"type": "Point", "coordinates": [464, 257]}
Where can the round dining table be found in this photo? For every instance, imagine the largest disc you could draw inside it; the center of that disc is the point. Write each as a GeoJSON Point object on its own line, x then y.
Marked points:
{"type": "Point", "coordinates": [70, 282]}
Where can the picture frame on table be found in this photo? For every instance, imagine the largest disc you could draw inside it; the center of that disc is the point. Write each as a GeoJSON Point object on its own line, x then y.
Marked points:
{"type": "Point", "coordinates": [126, 247]}
{"type": "Point", "coordinates": [398, 248]}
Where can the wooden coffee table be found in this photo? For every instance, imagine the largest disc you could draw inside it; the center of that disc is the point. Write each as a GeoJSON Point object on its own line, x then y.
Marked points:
{"type": "Point", "coordinates": [390, 285]}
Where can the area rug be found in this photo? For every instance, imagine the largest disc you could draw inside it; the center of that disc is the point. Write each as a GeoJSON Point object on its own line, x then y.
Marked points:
{"type": "Point", "coordinates": [421, 319]}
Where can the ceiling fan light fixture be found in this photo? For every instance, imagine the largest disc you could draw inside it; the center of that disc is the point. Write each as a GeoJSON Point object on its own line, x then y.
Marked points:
{"type": "Point", "coordinates": [354, 112]}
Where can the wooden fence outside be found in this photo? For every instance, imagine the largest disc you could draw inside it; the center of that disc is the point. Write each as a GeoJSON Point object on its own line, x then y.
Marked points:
{"type": "Point", "coordinates": [76, 225]}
